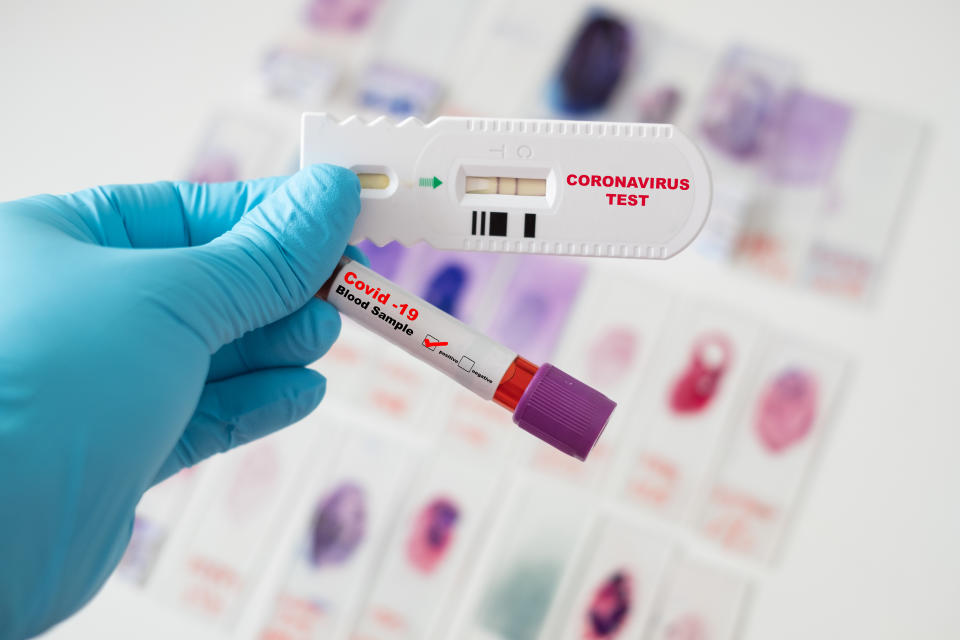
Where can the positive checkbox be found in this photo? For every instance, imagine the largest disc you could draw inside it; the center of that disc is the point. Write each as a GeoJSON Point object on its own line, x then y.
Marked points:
{"type": "Point", "coordinates": [430, 342]}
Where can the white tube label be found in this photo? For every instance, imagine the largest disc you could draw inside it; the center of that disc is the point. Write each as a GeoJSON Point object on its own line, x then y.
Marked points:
{"type": "Point", "coordinates": [420, 329]}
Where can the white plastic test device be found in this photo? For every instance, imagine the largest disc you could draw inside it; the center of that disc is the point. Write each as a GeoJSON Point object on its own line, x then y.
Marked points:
{"type": "Point", "coordinates": [510, 185]}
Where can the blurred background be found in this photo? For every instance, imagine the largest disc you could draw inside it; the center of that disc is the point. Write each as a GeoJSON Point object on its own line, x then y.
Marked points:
{"type": "Point", "coordinates": [783, 461]}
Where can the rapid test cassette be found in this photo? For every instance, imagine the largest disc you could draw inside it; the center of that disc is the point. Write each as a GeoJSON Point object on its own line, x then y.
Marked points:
{"type": "Point", "coordinates": [530, 186]}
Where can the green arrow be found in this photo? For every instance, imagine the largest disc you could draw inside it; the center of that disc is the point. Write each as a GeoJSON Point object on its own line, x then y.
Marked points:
{"type": "Point", "coordinates": [430, 182]}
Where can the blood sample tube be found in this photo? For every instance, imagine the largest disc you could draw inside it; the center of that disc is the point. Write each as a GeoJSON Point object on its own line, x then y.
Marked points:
{"type": "Point", "coordinates": [553, 406]}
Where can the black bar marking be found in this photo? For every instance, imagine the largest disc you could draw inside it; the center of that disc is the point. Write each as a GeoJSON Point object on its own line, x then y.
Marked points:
{"type": "Point", "coordinates": [529, 225]}
{"type": "Point", "coordinates": [473, 224]}
{"type": "Point", "coordinates": [498, 223]}
{"type": "Point", "coordinates": [483, 223]}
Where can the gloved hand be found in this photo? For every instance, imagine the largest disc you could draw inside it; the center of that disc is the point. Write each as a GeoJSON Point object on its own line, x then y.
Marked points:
{"type": "Point", "coordinates": [142, 329]}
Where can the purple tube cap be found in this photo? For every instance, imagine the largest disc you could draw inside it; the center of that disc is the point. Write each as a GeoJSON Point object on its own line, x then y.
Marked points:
{"type": "Point", "coordinates": [563, 412]}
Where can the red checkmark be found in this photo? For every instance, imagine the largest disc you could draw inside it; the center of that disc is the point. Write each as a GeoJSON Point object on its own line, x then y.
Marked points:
{"type": "Point", "coordinates": [430, 345]}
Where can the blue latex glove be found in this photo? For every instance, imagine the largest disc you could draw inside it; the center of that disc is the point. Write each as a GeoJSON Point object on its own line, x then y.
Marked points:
{"type": "Point", "coordinates": [144, 328]}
